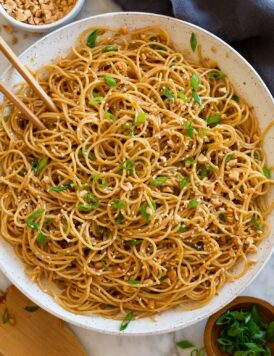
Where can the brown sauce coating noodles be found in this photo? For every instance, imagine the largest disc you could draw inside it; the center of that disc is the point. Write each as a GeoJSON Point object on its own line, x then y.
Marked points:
{"type": "Point", "coordinates": [145, 190]}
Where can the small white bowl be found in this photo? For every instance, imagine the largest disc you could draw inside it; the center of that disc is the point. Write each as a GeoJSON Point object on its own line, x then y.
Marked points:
{"type": "Point", "coordinates": [43, 28]}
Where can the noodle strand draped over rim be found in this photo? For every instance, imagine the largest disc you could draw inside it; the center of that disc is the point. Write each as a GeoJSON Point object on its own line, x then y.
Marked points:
{"type": "Point", "coordinates": [145, 190]}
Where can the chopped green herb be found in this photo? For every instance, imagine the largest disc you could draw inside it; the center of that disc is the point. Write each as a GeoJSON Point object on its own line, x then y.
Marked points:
{"type": "Point", "coordinates": [257, 224]}
{"type": "Point", "coordinates": [184, 344]}
{"type": "Point", "coordinates": [95, 99]}
{"type": "Point", "coordinates": [154, 205]}
{"type": "Point", "coordinates": [266, 173]}
{"type": "Point", "coordinates": [257, 155]}
{"type": "Point", "coordinates": [91, 40]}
{"type": "Point", "coordinates": [195, 81]}
{"type": "Point", "coordinates": [133, 242]}
{"type": "Point", "coordinates": [41, 238]}
{"type": "Point", "coordinates": [216, 75]}
{"type": "Point", "coordinates": [5, 316]}
{"type": "Point", "coordinates": [119, 219]}
{"type": "Point", "coordinates": [203, 171]}
{"type": "Point", "coordinates": [189, 128]}
{"type": "Point", "coordinates": [97, 178]}
{"type": "Point", "coordinates": [109, 116]}
{"type": "Point", "coordinates": [222, 217]}
{"type": "Point", "coordinates": [118, 204]}
{"type": "Point", "coordinates": [168, 94]}
{"type": "Point", "coordinates": [126, 321]}
{"type": "Point", "coordinates": [214, 119]}
{"type": "Point", "coordinates": [143, 211]}
{"type": "Point", "coordinates": [193, 42]}
{"type": "Point", "coordinates": [182, 228]}
{"type": "Point", "coordinates": [110, 81]}
{"type": "Point", "coordinates": [183, 181]}
{"type": "Point", "coordinates": [163, 277]}
{"type": "Point", "coordinates": [91, 198]}
{"type": "Point", "coordinates": [158, 181]}
{"type": "Point", "coordinates": [61, 188]}
{"type": "Point", "coordinates": [128, 166]}
{"type": "Point", "coordinates": [193, 203]}
{"type": "Point", "coordinates": [196, 98]}
{"type": "Point", "coordinates": [133, 281]}
{"type": "Point", "coordinates": [229, 157]}
{"type": "Point", "coordinates": [38, 167]}
{"type": "Point", "coordinates": [140, 118]}
{"type": "Point", "coordinates": [190, 161]}
{"type": "Point", "coordinates": [182, 96]}
{"type": "Point", "coordinates": [31, 308]}
{"type": "Point", "coordinates": [88, 207]}
{"type": "Point", "coordinates": [109, 48]}
{"type": "Point", "coordinates": [198, 352]}
{"type": "Point", "coordinates": [34, 215]}
{"type": "Point", "coordinates": [129, 127]}
{"type": "Point", "coordinates": [243, 333]}
{"type": "Point", "coordinates": [157, 47]}
{"type": "Point", "coordinates": [235, 98]}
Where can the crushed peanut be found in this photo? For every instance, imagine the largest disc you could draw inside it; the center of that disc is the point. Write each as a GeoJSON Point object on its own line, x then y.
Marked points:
{"type": "Point", "coordinates": [38, 12]}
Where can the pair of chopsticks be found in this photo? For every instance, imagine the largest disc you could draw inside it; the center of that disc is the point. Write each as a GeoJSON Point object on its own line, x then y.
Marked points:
{"type": "Point", "coordinates": [13, 59]}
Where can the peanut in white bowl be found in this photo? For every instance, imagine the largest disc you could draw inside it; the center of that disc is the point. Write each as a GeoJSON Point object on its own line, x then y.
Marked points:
{"type": "Point", "coordinates": [47, 27]}
{"type": "Point", "coordinates": [248, 84]}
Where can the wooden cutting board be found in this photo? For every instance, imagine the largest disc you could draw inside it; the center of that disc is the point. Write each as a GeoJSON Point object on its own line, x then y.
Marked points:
{"type": "Point", "coordinates": [33, 332]}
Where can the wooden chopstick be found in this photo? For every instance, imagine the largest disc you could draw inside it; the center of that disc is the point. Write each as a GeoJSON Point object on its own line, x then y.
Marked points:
{"type": "Point", "coordinates": [14, 60]}
{"type": "Point", "coordinates": [21, 106]}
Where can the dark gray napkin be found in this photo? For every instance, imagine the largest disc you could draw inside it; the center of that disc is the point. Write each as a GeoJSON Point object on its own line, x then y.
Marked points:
{"type": "Point", "coordinates": [248, 25]}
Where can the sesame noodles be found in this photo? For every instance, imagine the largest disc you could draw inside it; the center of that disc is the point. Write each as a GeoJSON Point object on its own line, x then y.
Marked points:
{"type": "Point", "coordinates": [145, 190]}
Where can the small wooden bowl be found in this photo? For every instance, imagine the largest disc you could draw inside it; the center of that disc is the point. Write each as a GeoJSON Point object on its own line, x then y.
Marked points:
{"type": "Point", "coordinates": [212, 330]}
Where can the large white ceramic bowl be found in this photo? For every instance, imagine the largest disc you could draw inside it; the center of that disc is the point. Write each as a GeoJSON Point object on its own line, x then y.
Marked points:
{"type": "Point", "coordinates": [247, 83]}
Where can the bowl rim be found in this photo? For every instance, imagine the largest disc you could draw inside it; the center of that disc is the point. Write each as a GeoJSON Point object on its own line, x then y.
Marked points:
{"type": "Point", "coordinates": [43, 28]}
{"type": "Point", "coordinates": [221, 304]}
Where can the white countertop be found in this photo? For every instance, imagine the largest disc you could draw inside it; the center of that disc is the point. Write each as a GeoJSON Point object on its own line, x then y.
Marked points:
{"type": "Point", "coordinates": [163, 345]}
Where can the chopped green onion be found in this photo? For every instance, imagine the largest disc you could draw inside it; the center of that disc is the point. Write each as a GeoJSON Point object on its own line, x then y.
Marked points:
{"type": "Point", "coordinates": [257, 225]}
{"type": "Point", "coordinates": [109, 48]}
{"type": "Point", "coordinates": [34, 215]}
{"type": "Point", "coordinates": [119, 219]}
{"type": "Point", "coordinates": [193, 42]}
{"type": "Point", "coordinates": [190, 161]}
{"type": "Point", "coordinates": [182, 96]}
{"type": "Point", "coordinates": [229, 157]}
{"type": "Point", "coordinates": [109, 116]}
{"type": "Point", "coordinates": [38, 167]}
{"type": "Point", "coordinates": [163, 277]}
{"type": "Point", "coordinates": [222, 217]}
{"type": "Point", "coordinates": [154, 205]}
{"type": "Point", "coordinates": [118, 204]}
{"type": "Point", "coordinates": [157, 47]}
{"type": "Point", "coordinates": [195, 81]}
{"type": "Point", "coordinates": [133, 242]}
{"type": "Point", "coordinates": [182, 228]}
{"type": "Point", "coordinates": [184, 344]}
{"type": "Point", "coordinates": [91, 198]}
{"type": "Point", "coordinates": [193, 203]}
{"type": "Point", "coordinates": [168, 94]}
{"type": "Point", "coordinates": [91, 40]}
{"type": "Point", "coordinates": [197, 98]}
{"type": "Point", "coordinates": [129, 126]}
{"type": "Point", "coordinates": [140, 118]}
{"type": "Point", "coordinates": [235, 98]}
{"type": "Point", "coordinates": [214, 119]}
{"type": "Point", "coordinates": [216, 75]}
{"type": "Point", "coordinates": [31, 308]}
{"type": "Point", "coordinates": [95, 99]}
{"type": "Point", "coordinates": [128, 165]}
{"type": "Point", "coordinates": [97, 177]}
{"type": "Point", "coordinates": [257, 155]}
{"type": "Point", "coordinates": [61, 188]}
{"type": "Point", "coordinates": [126, 321]}
{"type": "Point", "coordinates": [88, 207]}
{"type": "Point", "coordinates": [189, 128]}
{"type": "Point", "coordinates": [110, 81]}
{"type": "Point", "coordinates": [133, 281]}
{"type": "Point", "coordinates": [143, 211]}
{"type": "Point", "coordinates": [203, 172]}
{"type": "Point", "coordinates": [183, 181]}
{"type": "Point", "coordinates": [5, 316]}
{"type": "Point", "coordinates": [158, 181]}
{"type": "Point", "coordinates": [41, 238]}
{"type": "Point", "coordinates": [267, 173]}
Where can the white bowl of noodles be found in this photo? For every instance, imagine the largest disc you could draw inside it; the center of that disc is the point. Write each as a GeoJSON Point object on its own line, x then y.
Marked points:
{"type": "Point", "coordinates": [248, 86]}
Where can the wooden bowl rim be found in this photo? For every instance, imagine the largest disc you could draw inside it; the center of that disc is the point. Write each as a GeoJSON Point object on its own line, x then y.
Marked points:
{"type": "Point", "coordinates": [237, 301]}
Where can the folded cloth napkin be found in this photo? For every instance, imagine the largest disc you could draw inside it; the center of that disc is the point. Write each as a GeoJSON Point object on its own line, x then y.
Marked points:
{"type": "Point", "coordinates": [248, 25]}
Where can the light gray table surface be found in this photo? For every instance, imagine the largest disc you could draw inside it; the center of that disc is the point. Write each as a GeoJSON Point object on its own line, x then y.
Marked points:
{"type": "Point", "coordinates": [159, 345]}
